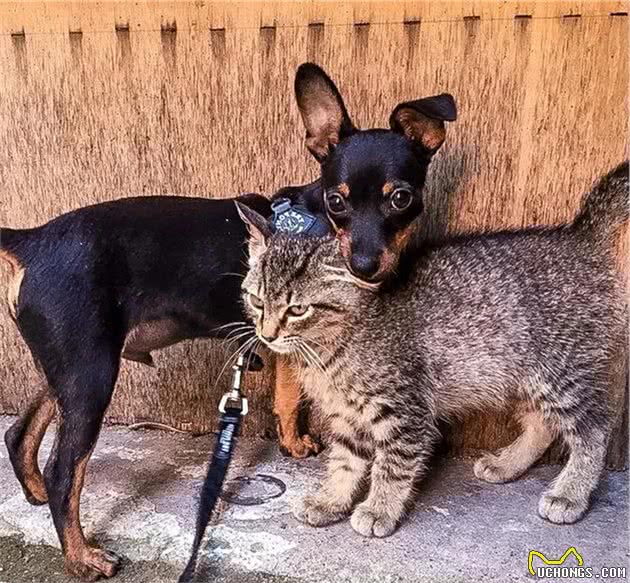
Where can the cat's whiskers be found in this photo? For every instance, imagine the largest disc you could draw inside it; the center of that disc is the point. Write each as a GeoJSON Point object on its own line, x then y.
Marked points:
{"type": "Point", "coordinates": [239, 329]}
{"type": "Point", "coordinates": [320, 345]}
{"type": "Point", "coordinates": [241, 275]}
{"type": "Point", "coordinates": [238, 338]}
{"type": "Point", "coordinates": [230, 325]}
{"type": "Point", "coordinates": [252, 350]}
{"type": "Point", "coordinates": [247, 327]}
{"type": "Point", "coordinates": [315, 358]}
{"type": "Point", "coordinates": [237, 334]}
{"type": "Point", "coordinates": [301, 353]}
{"type": "Point", "coordinates": [294, 343]}
{"type": "Point", "coordinates": [234, 356]}
{"type": "Point", "coordinates": [308, 359]}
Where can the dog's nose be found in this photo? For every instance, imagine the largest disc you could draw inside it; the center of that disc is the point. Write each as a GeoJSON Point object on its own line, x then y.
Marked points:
{"type": "Point", "coordinates": [364, 265]}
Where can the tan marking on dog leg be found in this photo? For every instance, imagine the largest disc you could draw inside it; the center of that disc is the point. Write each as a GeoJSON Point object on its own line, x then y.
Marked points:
{"type": "Point", "coordinates": [23, 440]}
{"type": "Point", "coordinates": [30, 448]}
{"type": "Point", "coordinates": [81, 559]}
{"type": "Point", "coordinates": [286, 408]}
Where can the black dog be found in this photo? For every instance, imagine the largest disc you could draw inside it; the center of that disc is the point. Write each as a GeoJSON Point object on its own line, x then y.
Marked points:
{"type": "Point", "coordinates": [372, 180]}
{"type": "Point", "coordinates": [123, 278]}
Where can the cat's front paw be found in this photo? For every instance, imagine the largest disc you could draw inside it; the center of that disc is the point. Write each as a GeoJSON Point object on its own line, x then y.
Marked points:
{"type": "Point", "coordinates": [561, 510]}
{"type": "Point", "coordinates": [368, 521]}
{"type": "Point", "coordinates": [317, 511]}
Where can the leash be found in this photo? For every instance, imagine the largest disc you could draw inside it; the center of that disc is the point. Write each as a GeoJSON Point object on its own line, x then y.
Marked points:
{"type": "Point", "coordinates": [233, 406]}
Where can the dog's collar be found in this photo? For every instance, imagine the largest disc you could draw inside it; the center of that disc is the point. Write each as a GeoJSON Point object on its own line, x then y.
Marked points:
{"type": "Point", "coordinates": [294, 219]}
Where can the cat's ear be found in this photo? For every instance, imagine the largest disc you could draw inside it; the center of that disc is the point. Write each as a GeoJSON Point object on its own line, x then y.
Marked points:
{"type": "Point", "coordinates": [323, 112]}
{"type": "Point", "coordinates": [260, 230]}
{"type": "Point", "coordinates": [422, 120]}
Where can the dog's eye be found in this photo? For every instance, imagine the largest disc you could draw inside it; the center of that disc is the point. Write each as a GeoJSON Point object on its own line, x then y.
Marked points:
{"type": "Point", "coordinates": [335, 203]}
{"type": "Point", "coordinates": [256, 302]}
{"type": "Point", "coordinates": [401, 199]}
{"type": "Point", "coordinates": [297, 310]}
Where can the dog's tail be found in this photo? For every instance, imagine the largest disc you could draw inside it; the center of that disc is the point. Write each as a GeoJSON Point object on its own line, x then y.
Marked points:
{"type": "Point", "coordinates": [606, 207]}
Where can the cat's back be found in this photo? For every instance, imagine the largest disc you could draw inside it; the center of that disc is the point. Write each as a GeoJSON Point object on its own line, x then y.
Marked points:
{"type": "Point", "coordinates": [486, 308]}
{"type": "Point", "coordinates": [481, 315]}
{"type": "Point", "coordinates": [556, 270]}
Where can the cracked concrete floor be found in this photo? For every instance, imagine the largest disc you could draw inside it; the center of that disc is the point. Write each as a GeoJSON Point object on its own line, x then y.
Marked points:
{"type": "Point", "coordinates": [139, 501]}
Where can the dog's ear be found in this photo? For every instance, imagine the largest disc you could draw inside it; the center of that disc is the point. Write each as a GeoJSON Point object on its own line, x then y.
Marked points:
{"type": "Point", "coordinates": [323, 112]}
{"type": "Point", "coordinates": [260, 230]}
{"type": "Point", "coordinates": [422, 121]}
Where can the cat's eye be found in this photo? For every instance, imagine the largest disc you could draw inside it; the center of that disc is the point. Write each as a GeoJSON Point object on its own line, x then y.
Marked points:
{"type": "Point", "coordinates": [297, 310]}
{"type": "Point", "coordinates": [335, 203]}
{"type": "Point", "coordinates": [256, 302]}
{"type": "Point", "coordinates": [400, 199]}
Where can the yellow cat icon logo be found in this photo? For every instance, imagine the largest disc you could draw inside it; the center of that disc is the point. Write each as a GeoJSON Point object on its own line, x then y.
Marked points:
{"type": "Point", "coordinates": [560, 561]}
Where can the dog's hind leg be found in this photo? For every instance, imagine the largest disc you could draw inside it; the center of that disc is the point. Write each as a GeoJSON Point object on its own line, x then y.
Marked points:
{"type": "Point", "coordinates": [82, 398]}
{"type": "Point", "coordinates": [513, 461]}
{"type": "Point", "coordinates": [23, 440]}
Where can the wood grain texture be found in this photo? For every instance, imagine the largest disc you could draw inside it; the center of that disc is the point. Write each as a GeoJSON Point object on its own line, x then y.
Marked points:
{"type": "Point", "coordinates": [101, 100]}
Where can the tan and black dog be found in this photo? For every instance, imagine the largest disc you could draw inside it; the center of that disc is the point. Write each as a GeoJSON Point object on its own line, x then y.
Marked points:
{"type": "Point", "coordinates": [120, 279]}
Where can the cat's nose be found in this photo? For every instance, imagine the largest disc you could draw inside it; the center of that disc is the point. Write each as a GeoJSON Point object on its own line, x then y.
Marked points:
{"type": "Point", "coordinates": [269, 339]}
{"type": "Point", "coordinates": [364, 266]}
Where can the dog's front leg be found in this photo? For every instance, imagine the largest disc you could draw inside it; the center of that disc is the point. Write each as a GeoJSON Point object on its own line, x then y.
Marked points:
{"type": "Point", "coordinates": [287, 409]}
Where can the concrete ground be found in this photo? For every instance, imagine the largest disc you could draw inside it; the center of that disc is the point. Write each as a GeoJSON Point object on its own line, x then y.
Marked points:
{"type": "Point", "coordinates": [139, 501]}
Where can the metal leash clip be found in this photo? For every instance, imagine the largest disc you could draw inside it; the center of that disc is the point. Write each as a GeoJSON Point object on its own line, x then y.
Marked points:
{"type": "Point", "coordinates": [234, 395]}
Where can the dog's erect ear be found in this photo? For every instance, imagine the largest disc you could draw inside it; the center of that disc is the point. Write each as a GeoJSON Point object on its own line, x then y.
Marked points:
{"type": "Point", "coordinates": [422, 121]}
{"type": "Point", "coordinates": [259, 230]}
{"type": "Point", "coordinates": [323, 111]}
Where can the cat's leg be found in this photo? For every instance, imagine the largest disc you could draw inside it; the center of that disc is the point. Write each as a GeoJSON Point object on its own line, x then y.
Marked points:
{"type": "Point", "coordinates": [514, 460]}
{"type": "Point", "coordinates": [568, 498]}
{"type": "Point", "coordinates": [348, 463]}
{"type": "Point", "coordinates": [400, 459]}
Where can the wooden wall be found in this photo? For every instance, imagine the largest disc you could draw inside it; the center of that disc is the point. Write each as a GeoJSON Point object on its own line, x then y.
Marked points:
{"type": "Point", "coordinates": [100, 100]}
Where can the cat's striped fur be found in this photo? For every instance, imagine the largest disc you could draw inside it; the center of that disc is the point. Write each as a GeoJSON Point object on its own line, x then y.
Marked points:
{"type": "Point", "coordinates": [537, 315]}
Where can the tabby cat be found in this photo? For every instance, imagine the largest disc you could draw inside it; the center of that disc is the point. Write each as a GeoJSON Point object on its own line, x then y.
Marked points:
{"type": "Point", "coordinates": [536, 315]}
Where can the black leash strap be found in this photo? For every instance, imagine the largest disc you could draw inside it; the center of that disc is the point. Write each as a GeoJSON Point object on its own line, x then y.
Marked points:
{"type": "Point", "coordinates": [233, 406]}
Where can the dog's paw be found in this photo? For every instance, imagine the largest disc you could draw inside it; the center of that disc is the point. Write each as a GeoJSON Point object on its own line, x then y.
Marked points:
{"type": "Point", "coordinates": [36, 499]}
{"type": "Point", "coordinates": [300, 447]}
{"type": "Point", "coordinates": [314, 511]}
{"type": "Point", "coordinates": [369, 522]}
{"type": "Point", "coordinates": [560, 509]}
{"type": "Point", "coordinates": [35, 490]}
{"type": "Point", "coordinates": [93, 564]}
{"type": "Point", "coordinates": [488, 469]}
